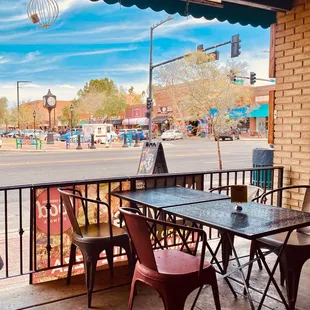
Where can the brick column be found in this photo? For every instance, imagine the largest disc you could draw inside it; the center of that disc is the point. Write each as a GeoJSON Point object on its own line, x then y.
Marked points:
{"type": "Point", "coordinates": [292, 103]}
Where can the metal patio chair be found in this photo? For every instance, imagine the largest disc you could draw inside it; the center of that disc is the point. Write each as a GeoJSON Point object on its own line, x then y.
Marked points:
{"type": "Point", "coordinates": [173, 274]}
{"type": "Point", "coordinates": [296, 252]}
{"type": "Point", "coordinates": [92, 239]}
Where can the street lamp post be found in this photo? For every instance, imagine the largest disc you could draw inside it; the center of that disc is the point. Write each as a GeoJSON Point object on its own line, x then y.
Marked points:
{"type": "Point", "coordinates": [71, 114]}
{"type": "Point", "coordinates": [17, 85]}
{"type": "Point", "coordinates": [34, 121]}
{"type": "Point", "coordinates": [150, 108]}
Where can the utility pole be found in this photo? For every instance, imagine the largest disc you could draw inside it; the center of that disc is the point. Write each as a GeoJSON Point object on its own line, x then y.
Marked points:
{"type": "Point", "coordinates": [17, 86]}
{"type": "Point", "coordinates": [150, 97]}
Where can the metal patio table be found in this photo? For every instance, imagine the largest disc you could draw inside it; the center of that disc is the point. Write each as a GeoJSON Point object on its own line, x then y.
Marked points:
{"type": "Point", "coordinates": [252, 222]}
{"type": "Point", "coordinates": [164, 197]}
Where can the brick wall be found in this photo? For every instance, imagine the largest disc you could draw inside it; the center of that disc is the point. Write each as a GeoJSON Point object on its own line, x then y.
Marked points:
{"type": "Point", "coordinates": [292, 103]}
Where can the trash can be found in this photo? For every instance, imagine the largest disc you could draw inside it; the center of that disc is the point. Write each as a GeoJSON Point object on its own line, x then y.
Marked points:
{"type": "Point", "coordinates": [262, 158]}
{"type": "Point", "coordinates": [202, 134]}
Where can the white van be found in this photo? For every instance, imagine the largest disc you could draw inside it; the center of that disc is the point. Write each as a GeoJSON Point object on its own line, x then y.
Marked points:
{"type": "Point", "coordinates": [102, 132]}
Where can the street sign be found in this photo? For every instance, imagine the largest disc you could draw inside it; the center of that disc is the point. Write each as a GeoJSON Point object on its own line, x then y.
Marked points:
{"type": "Point", "coordinates": [239, 82]}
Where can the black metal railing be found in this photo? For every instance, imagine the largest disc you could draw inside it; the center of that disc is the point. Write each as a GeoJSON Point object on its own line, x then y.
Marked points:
{"type": "Point", "coordinates": [35, 232]}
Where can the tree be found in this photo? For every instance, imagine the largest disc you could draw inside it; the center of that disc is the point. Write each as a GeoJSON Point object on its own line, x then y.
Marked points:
{"type": "Point", "coordinates": [4, 112]}
{"type": "Point", "coordinates": [169, 77]}
{"type": "Point", "coordinates": [66, 116]}
{"type": "Point", "coordinates": [208, 91]}
{"type": "Point", "coordinates": [100, 97]}
{"type": "Point", "coordinates": [24, 116]}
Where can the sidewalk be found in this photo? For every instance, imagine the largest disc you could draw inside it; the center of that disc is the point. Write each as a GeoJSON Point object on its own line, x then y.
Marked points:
{"type": "Point", "coordinates": [9, 145]}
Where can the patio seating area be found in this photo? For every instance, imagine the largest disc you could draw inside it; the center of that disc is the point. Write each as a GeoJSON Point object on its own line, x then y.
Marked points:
{"type": "Point", "coordinates": [18, 294]}
{"type": "Point", "coordinates": [158, 197]}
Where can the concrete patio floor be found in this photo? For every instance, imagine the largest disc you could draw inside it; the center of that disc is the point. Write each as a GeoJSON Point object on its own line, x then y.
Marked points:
{"type": "Point", "coordinates": [18, 294]}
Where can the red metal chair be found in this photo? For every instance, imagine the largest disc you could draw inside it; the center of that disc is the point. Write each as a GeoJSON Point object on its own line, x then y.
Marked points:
{"type": "Point", "coordinates": [173, 274]}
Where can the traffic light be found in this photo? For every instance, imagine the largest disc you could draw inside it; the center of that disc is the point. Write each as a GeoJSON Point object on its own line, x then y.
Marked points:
{"type": "Point", "coordinates": [252, 78]}
{"type": "Point", "coordinates": [199, 48]}
{"type": "Point", "coordinates": [235, 46]}
{"type": "Point", "coordinates": [149, 103]}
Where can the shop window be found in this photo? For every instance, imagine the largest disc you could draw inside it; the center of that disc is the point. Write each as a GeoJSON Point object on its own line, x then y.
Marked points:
{"type": "Point", "coordinates": [244, 125]}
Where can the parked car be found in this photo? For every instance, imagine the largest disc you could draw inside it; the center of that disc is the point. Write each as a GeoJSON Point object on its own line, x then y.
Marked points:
{"type": "Point", "coordinates": [228, 134]}
{"type": "Point", "coordinates": [14, 134]}
{"type": "Point", "coordinates": [56, 136]}
{"type": "Point", "coordinates": [68, 135]}
{"type": "Point", "coordinates": [132, 132]}
{"type": "Point", "coordinates": [172, 135]}
{"type": "Point", "coordinates": [30, 133]}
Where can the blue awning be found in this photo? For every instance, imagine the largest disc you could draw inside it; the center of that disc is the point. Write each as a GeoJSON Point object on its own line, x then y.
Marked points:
{"type": "Point", "coordinates": [260, 110]}
{"type": "Point", "coordinates": [238, 112]}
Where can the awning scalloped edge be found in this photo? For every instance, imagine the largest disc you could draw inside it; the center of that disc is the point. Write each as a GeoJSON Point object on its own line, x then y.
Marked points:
{"type": "Point", "coordinates": [233, 13]}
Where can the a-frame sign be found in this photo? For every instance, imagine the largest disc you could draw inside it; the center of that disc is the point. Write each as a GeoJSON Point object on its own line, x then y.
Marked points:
{"type": "Point", "coordinates": [152, 160]}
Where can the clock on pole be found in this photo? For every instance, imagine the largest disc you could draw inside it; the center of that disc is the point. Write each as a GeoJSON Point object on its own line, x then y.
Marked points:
{"type": "Point", "coordinates": [49, 102]}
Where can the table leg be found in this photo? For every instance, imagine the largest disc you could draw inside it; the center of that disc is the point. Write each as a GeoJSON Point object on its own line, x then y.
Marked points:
{"type": "Point", "coordinates": [271, 273]}
{"type": "Point", "coordinates": [241, 272]}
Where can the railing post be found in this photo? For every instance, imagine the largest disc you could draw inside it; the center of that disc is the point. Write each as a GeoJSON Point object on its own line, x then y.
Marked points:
{"type": "Point", "coordinates": [79, 147]}
{"type": "Point", "coordinates": [92, 139]}
{"type": "Point", "coordinates": [280, 184]}
{"type": "Point", "coordinates": [137, 139]}
{"type": "Point", "coordinates": [125, 140]}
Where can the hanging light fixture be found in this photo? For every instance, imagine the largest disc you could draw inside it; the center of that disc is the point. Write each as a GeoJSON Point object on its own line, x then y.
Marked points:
{"type": "Point", "coordinates": [43, 13]}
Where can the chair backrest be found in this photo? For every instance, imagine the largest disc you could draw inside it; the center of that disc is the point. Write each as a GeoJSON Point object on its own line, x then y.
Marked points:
{"type": "Point", "coordinates": [306, 208]}
{"type": "Point", "coordinates": [280, 190]}
{"type": "Point", "coordinates": [67, 197]}
{"type": "Point", "coordinates": [252, 191]}
{"type": "Point", "coordinates": [138, 229]}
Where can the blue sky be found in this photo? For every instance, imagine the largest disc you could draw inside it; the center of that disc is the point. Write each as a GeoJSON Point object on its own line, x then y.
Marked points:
{"type": "Point", "coordinates": [96, 40]}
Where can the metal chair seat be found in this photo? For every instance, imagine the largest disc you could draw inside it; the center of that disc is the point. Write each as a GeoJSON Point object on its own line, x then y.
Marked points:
{"type": "Point", "coordinates": [297, 239]}
{"type": "Point", "coordinates": [173, 262]}
{"type": "Point", "coordinates": [99, 233]}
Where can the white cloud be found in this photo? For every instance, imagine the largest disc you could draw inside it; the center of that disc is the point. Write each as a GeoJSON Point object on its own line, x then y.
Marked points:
{"type": "Point", "coordinates": [3, 60]}
{"type": "Point", "coordinates": [31, 85]}
{"type": "Point", "coordinates": [14, 18]}
{"type": "Point", "coordinates": [8, 86]}
{"type": "Point", "coordinates": [172, 26]}
{"type": "Point", "coordinates": [67, 86]}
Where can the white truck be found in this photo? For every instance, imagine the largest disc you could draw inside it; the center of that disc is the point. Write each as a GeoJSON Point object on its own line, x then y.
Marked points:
{"type": "Point", "coordinates": [103, 133]}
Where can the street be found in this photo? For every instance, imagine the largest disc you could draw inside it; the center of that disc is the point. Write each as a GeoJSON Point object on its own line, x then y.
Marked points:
{"type": "Point", "coordinates": [182, 155]}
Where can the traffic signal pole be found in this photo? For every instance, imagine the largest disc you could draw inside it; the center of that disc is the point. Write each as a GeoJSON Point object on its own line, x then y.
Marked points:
{"type": "Point", "coordinates": [183, 56]}
{"type": "Point", "coordinates": [150, 109]}
{"type": "Point", "coordinates": [235, 53]}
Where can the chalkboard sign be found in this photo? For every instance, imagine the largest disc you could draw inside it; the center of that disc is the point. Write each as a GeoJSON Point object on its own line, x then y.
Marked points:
{"type": "Point", "coordinates": [152, 160]}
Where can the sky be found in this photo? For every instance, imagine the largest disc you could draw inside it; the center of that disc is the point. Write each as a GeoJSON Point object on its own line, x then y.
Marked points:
{"type": "Point", "coordinates": [94, 40]}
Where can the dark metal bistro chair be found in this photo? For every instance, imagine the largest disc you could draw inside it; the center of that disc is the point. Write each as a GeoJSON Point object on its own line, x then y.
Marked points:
{"type": "Point", "coordinates": [92, 239]}
{"type": "Point", "coordinates": [296, 252]}
{"type": "Point", "coordinates": [174, 274]}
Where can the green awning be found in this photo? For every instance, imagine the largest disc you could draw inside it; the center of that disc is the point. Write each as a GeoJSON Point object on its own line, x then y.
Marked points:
{"type": "Point", "coordinates": [83, 123]}
{"type": "Point", "coordinates": [231, 12]}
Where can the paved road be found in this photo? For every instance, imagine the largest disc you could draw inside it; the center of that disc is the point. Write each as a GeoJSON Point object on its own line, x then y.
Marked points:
{"type": "Point", "coordinates": [185, 155]}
